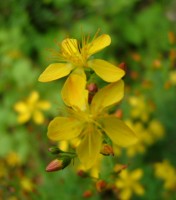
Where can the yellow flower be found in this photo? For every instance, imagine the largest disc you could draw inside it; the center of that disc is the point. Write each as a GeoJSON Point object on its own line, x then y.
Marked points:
{"type": "Point", "coordinates": [128, 183]}
{"type": "Point", "coordinates": [74, 57]}
{"type": "Point", "coordinates": [13, 159]}
{"type": "Point", "coordinates": [90, 122]}
{"type": "Point", "coordinates": [172, 77]}
{"type": "Point", "coordinates": [26, 184]}
{"type": "Point", "coordinates": [12, 198]}
{"type": "Point", "coordinates": [30, 108]}
{"type": "Point", "coordinates": [144, 139]}
{"type": "Point", "coordinates": [94, 172]}
{"type": "Point", "coordinates": [165, 171]}
{"type": "Point", "coordinates": [156, 129]}
{"type": "Point", "coordinates": [140, 108]}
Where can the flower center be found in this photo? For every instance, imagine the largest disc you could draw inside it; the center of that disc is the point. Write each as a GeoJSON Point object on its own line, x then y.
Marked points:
{"type": "Point", "coordinates": [71, 52]}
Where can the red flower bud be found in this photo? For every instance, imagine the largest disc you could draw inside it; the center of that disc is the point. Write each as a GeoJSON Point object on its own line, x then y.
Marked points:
{"type": "Point", "coordinates": [58, 164]}
{"type": "Point", "coordinates": [107, 150]}
{"type": "Point", "coordinates": [87, 194]}
{"type": "Point", "coordinates": [101, 185]}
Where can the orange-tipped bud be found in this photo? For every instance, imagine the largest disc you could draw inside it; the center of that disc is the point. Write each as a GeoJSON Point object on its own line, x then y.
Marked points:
{"type": "Point", "coordinates": [119, 167]}
{"type": "Point", "coordinates": [92, 87]}
{"type": "Point", "coordinates": [167, 85]}
{"type": "Point", "coordinates": [58, 164]}
{"type": "Point", "coordinates": [101, 185]}
{"type": "Point", "coordinates": [55, 150]}
{"type": "Point", "coordinates": [82, 173]}
{"type": "Point", "coordinates": [119, 113]}
{"type": "Point", "coordinates": [107, 150]}
{"type": "Point", "coordinates": [87, 194]}
{"type": "Point", "coordinates": [122, 66]}
{"type": "Point", "coordinates": [134, 75]}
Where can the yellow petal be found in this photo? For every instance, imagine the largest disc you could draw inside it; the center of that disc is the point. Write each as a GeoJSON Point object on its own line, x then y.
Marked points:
{"type": "Point", "coordinates": [98, 44]}
{"type": "Point", "coordinates": [43, 105]}
{"type": "Point", "coordinates": [90, 146]}
{"type": "Point", "coordinates": [55, 71]}
{"type": "Point", "coordinates": [120, 183]}
{"type": "Point", "coordinates": [74, 93]}
{"type": "Point", "coordinates": [23, 118]}
{"type": "Point", "coordinates": [21, 107]}
{"type": "Point", "coordinates": [138, 189]}
{"type": "Point", "coordinates": [107, 96]}
{"type": "Point", "coordinates": [64, 128]}
{"type": "Point", "coordinates": [124, 174]}
{"type": "Point", "coordinates": [125, 194]}
{"type": "Point", "coordinates": [69, 47]}
{"type": "Point", "coordinates": [38, 117]}
{"type": "Point", "coordinates": [118, 131]}
{"type": "Point", "coordinates": [80, 71]}
{"type": "Point", "coordinates": [136, 174]}
{"type": "Point", "coordinates": [106, 70]}
{"type": "Point", "coordinates": [34, 96]}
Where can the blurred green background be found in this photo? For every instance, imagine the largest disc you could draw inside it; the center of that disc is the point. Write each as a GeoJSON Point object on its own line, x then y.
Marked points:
{"type": "Point", "coordinates": [143, 37]}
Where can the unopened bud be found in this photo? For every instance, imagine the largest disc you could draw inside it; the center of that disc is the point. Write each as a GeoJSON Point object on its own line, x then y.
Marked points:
{"type": "Point", "coordinates": [82, 173]}
{"type": "Point", "coordinates": [87, 194]}
{"type": "Point", "coordinates": [58, 164]}
{"type": "Point", "coordinates": [107, 150]}
{"type": "Point", "coordinates": [55, 150]}
{"type": "Point", "coordinates": [92, 87]}
{"type": "Point", "coordinates": [119, 167]}
{"type": "Point", "coordinates": [134, 75]}
{"type": "Point", "coordinates": [122, 66]}
{"type": "Point", "coordinates": [119, 113]}
{"type": "Point", "coordinates": [101, 185]}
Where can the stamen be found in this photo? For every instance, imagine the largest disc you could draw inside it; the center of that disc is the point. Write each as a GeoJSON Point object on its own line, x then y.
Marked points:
{"type": "Point", "coordinates": [87, 39]}
{"type": "Point", "coordinates": [55, 55]}
{"type": "Point", "coordinates": [96, 35]}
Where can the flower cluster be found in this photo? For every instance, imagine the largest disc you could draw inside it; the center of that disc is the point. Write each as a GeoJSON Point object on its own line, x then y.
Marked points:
{"type": "Point", "coordinates": [31, 108]}
{"type": "Point", "coordinates": [166, 172]}
{"type": "Point", "coordinates": [148, 129]}
{"type": "Point", "coordinates": [128, 183]}
{"type": "Point", "coordinates": [86, 119]}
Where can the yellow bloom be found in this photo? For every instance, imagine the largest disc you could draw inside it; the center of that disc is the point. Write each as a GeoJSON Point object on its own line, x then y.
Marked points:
{"type": "Point", "coordinates": [12, 198]}
{"type": "Point", "coordinates": [140, 108]}
{"type": "Point", "coordinates": [128, 183]}
{"type": "Point", "coordinates": [144, 139]}
{"type": "Point", "coordinates": [30, 108]}
{"type": "Point", "coordinates": [74, 57]}
{"type": "Point", "coordinates": [26, 184]}
{"type": "Point", "coordinates": [165, 171]}
{"type": "Point", "coordinates": [91, 122]}
{"type": "Point", "coordinates": [95, 169]}
{"type": "Point", "coordinates": [172, 77]}
{"type": "Point", "coordinates": [13, 159]}
{"type": "Point", "coordinates": [156, 129]}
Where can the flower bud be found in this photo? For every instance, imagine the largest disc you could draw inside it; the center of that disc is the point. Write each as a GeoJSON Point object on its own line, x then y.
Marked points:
{"type": "Point", "coordinates": [119, 167]}
{"type": "Point", "coordinates": [107, 150]}
{"type": "Point", "coordinates": [92, 88]}
{"type": "Point", "coordinates": [122, 66]}
{"type": "Point", "coordinates": [118, 113]}
{"type": "Point", "coordinates": [101, 185]}
{"type": "Point", "coordinates": [55, 150]}
{"type": "Point", "coordinates": [58, 164]}
{"type": "Point", "coordinates": [82, 173]}
{"type": "Point", "coordinates": [87, 194]}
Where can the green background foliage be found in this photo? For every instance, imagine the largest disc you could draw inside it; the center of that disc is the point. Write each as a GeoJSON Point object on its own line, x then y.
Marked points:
{"type": "Point", "coordinates": [27, 29]}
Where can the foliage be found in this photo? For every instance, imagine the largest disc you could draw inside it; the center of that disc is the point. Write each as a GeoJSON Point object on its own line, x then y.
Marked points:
{"type": "Point", "coordinates": [144, 38]}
